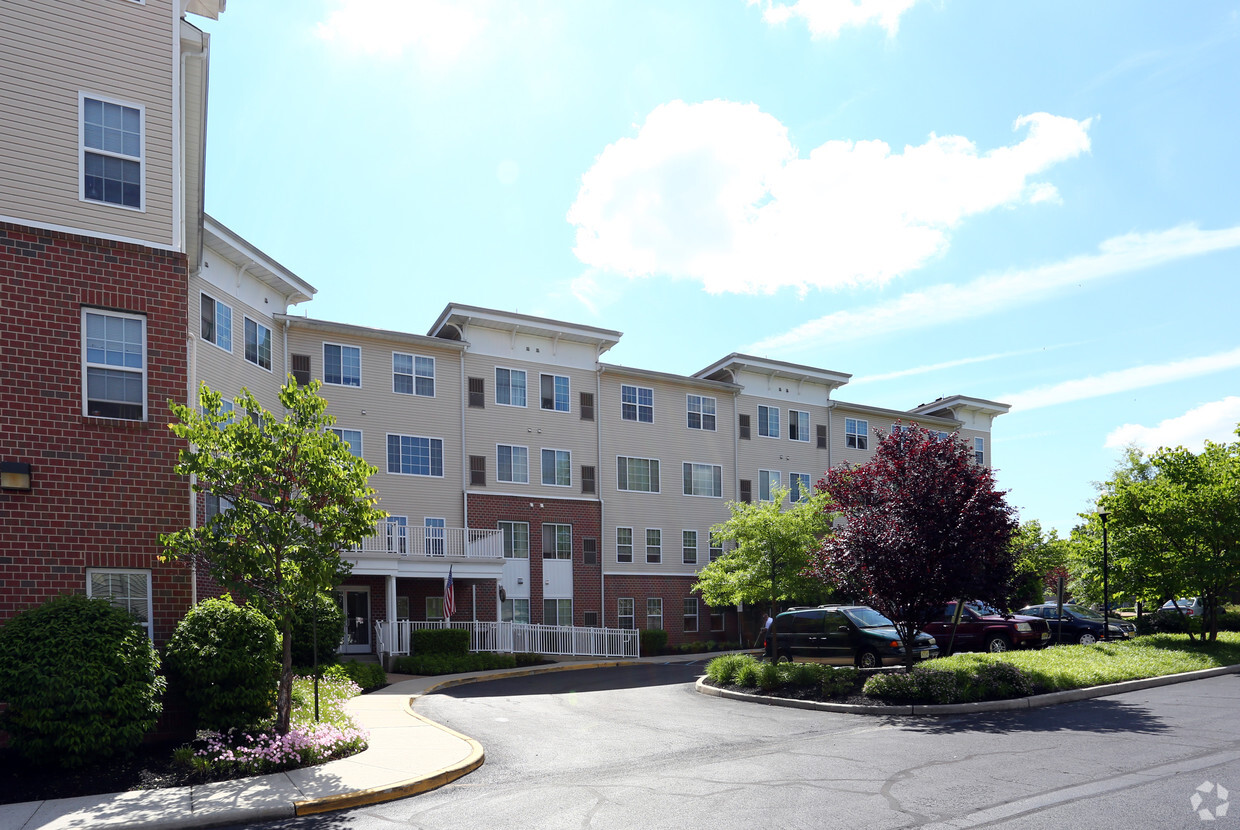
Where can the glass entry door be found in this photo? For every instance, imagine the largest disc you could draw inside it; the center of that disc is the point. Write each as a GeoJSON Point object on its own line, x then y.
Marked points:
{"type": "Point", "coordinates": [356, 604]}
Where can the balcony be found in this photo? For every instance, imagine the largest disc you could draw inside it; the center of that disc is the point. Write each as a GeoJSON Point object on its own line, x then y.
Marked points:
{"type": "Point", "coordinates": [422, 543]}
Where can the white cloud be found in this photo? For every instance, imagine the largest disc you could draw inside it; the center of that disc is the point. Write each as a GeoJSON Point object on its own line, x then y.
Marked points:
{"type": "Point", "coordinates": [1124, 380]}
{"type": "Point", "coordinates": [436, 29]}
{"type": "Point", "coordinates": [716, 192]}
{"type": "Point", "coordinates": [825, 18]}
{"type": "Point", "coordinates": [950, 303]}
{"type": "Point", "coordinates": [1215, 421]}
{"type": "Point", "coordinates": [949, 364]}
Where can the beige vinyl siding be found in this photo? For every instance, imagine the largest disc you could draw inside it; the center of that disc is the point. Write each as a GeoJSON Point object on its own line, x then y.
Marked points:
{"type": "Point", "coordinates": [782, 453]}
{"type": "Point", "coordinates": [228, 372]}
{"type": "Point", "coordinates": [51, 52]}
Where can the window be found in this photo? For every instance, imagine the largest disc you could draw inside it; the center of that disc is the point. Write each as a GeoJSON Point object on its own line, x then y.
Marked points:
{"type": "Point", "coordinates": [258, 344]}
{"type": "Point", "coordinates": [213, 505]}
{"type": "Point", "coordinates": [587, 478]}
{"type": "Point", "coordinates": [896, 429]}
{"type": "Point", "coordinates": [126, 589]}
{"type": "Point", "coordinates": [716, 619]}
{"type": "Point", "coordinates": [654, 612]}
{"type": "Point", "coordinates": [801, 488]}
{"type": "Point", "coordinates": [768, 481]}
{"type": "Point", "coordinates": [515, 610]}
{"type": "Point", "coordinates": [352, 439]}
{"type": "Point", "coordinates": [512, 464]}
{"type": "Point", "coordinates": [701, 412]}
{"type": "Point", "coordinates": [397, 529]}
{"type": "Point", "coordinates": [589, 551]}
{"type": "Point", "coordinates": [768, 421]}
{"type": "Point", "coordinates": [412, 375]}
{"type": "Point", "coordinates": [637, 404]}
{"type": "Point", "coordinates": [114, 370]}
{"type": "Point", "coordinates": [216, 323]}
{"type": "Point", "coordinates": [798, 425]}
{"type": "Point", "coordinates": [586, 405]}
{"type": "Point", "coordinates": [477, 471]}
{"type": "Point", "coordinates": [716, 548]}
{"type": "Point", "coordinates": [639, 475]}
{"type": "Point", "coordinates": [691, 614]}
{"type": "Point", "coordinates": [557, 541]}
{"type": "Point", "coordinates": [742, 425]}
{"type": "Point", "coordinates": [746, 491]}
{"type": "Point", "coordinates": [557, 612]}
{"type": "Point", "coordinates": [688, 547]}
{"type": "Point", "coordinates": [703, 480]}
{"type": "Point", "coordinates": [434, 532]}
{"type": "Point", "coordinates": [516, 539]}
{"type": "Point", "coordinates": [856, 433]}
{"type": "Point", "coordinates": [557, 468]}
{"type": "Point", "coordinates": [979, 450]}
{"type": "Point", "coordinates": [510, 387]}
{"type": "Point", "coordinates": [413, 455]}
{"type": "Point", "coordinates": [821, 430]}
{"type": "Point", "coordinates": [477, 393]}
{"type": "Point", "coordinates": [112, 139]}
{"type": "Point", "coordinates": [624, 544]}
{"type": "Point", "coordinates": [554, 389]}
{"type": "Point", "coordinates": [590, 619]}
{"type": "Point", "coordinates": [624, 613]}
{"type": "Point", "coordinates": [301, 369]}
{"type": "Point", "coordinates": [434, 608]}
{"type": "Point", "coordinates": [654, 545]}
{"type": "Point", "coordinates": [342, 365]}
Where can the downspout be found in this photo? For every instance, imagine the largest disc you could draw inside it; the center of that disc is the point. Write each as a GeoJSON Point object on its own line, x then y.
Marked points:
{"type": "Point", "coordinates": [464, 455]}
{"type": "Point", "coordinates": [598, 486]}
{"type": "Point", "coordinates": [287, 362]}
{"type": "Point", "coordinates": [191, 361]}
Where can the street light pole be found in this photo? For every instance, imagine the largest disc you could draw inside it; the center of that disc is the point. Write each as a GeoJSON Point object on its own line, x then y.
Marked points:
{"type": "Point", "coordinates": [1106, 592]}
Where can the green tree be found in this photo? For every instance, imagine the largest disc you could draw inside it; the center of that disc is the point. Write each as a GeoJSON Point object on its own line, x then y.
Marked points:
{"type": "Point", "coordinates": [298, 498]}
{"type": "Point", "coordinates": [1041, 558]}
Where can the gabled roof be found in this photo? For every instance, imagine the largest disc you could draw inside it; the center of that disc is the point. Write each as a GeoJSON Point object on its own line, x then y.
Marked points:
{"type": "Point", "coordinates": [351, 330]}
{"type": "Point", "coordinates": [946, 407]}
{"type": "Point", "coordinates": [727, 368]}
{"type": "Point", "coordinates": [455, 318]}
{"type": "Point", "coordinates": [235, 249]}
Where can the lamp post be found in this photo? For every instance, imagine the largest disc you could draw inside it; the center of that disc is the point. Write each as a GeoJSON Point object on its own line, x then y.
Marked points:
{"type": "Point", "coordinates": [1106, 592]}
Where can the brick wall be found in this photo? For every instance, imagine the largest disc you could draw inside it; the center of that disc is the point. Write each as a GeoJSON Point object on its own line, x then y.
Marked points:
{"type": "Point", "coordinates": [673, 590]}
{"type": "Point", "coordinates": [102, 489]}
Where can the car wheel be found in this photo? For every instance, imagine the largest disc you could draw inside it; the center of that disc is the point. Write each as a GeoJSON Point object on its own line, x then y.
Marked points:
{"type": "Point", "coordinates": [868, 660]}
{"type": "Point", "coordinates": [996, 645]}
{"type": "Point", "coordinates": [785, 657]}
{"type": "Point", "coordinates": [1087, 639]}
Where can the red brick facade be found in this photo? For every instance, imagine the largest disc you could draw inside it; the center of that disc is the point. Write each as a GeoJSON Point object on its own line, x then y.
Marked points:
{"type": "Point", "coordinates": [673, 590]}
{"type": "Point", "coordinates": [102, 489]}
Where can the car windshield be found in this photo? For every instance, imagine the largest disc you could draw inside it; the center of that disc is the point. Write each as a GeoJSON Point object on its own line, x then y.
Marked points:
{"type": "Point", "coordinates": [1083, 612]}
{"type": "Point", "coordinates": [982, 609]}
{"type": "Point", "coordinates": [867, 618]}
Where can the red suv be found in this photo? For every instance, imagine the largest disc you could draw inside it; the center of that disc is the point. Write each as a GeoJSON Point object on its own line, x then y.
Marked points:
{"type": "Point", "coordinates": [983, 628]}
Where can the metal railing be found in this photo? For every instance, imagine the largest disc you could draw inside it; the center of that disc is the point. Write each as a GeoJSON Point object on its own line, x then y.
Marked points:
{"type": "Point", "coordinates": [433, 542]}
{"type": "Point", "coordinates": [563, 640]}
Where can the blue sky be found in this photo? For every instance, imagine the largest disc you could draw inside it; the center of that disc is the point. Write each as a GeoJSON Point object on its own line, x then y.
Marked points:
{"type": "Point", "coordinates": [1030, 203]}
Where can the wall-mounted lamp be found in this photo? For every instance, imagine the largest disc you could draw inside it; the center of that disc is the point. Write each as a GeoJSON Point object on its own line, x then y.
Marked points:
{"type": "Point", "coordinates": [14, 475]}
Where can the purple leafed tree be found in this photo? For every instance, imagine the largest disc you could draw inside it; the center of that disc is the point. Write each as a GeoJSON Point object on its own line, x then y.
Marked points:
{"type": "Point", "coordinates": [923, 525]}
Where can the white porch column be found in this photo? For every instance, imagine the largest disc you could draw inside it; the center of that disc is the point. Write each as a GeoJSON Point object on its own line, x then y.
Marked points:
{"type": "Point", "coordinates": [389, 585]}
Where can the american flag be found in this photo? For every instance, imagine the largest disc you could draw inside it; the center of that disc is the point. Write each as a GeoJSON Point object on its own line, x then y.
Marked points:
{"type": "Point", "coordinates": [449, 596]}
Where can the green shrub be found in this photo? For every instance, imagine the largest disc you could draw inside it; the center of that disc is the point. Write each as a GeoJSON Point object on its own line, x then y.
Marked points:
{"type": "Point", "coordinates": [978, 677]}
{"type": "Point", "coordinates": [806, 675]}
{"type": "Point", "coordinates": [722, 670]}
{"type": "Point", "coordinates": [226, 660]}
{"type": "Point", "coordinates": [367, 675]}
{"type": "Point", "coordinates": [1167, 621]}
{"type": "Point", "coordinates": [841, 681]}
{"type": "Point", "coordinates": [529, 658]}
{"type": "Point", "coordinates": [653, 641]}
{"type": "Point", "coordinates": [429, 664]}
{"type": "Point", "coordinates": [326, 614]}
{"type": "Point", "coordinates": [426, 641]}
{"type": "Point", "coordinates": [1229, 621]}
{"type": "Point", "coordinates": [1000, 680]}
{"type": "Point", "coordinates": [747, 674]}
{"type": "Point", "coordinates": [80, 681]}
{"type": "Point", "coordinates": [769, 677]}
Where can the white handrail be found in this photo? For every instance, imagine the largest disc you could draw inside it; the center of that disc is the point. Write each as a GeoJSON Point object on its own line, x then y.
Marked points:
{"type": "Point", "coordinates": [509, 637]}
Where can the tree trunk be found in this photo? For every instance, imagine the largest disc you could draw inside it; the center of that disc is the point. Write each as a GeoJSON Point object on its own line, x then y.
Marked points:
{"type": "Point", "coordinates": [284, 697]}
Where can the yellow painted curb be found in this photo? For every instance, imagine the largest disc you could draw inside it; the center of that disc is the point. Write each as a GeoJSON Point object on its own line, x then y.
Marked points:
{"type": "Point", "coordinates": [503, 675]}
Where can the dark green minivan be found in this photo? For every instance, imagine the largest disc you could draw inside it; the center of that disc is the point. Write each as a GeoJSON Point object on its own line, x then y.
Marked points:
{"type": "Point", "coordinates": [844, 635]}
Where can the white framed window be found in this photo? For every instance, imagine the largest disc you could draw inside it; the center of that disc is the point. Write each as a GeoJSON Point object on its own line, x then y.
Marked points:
{"type": "Point", "coordinates": [716, 548]}
{"type": "Point", "coordinates": [554, 392]}
{"type": "Point", "coordinates": [856, 433]}
{"type": "Point", "coordinates": [258, 344]}
{"type": "Point", "coordinates": [352, 439]}
{"type": "Point", "coordinates": [434, 531]}
{"type": "Point", "coordinates": [516, 539]}
{"type": "Point", "coordinates": [510, 387]}
{"type": "Point", "coordinates": [624, 544]}
{"type": "Point", "coordinates": [557, 612]}
{"type": "Point", "coordinates": [113, 365]}
{"type": "Point", "coordinates": [342, 365]}
{"type": "Point", "coordinates": [110, 144]}
{"type": "Point", "coordinates": [124, 588]}
{"type": "Point", "coordinates": [413, 374]}
{"type": "Point", "coordinates": [557, 468]}
{"type": "Point", "coordinates": [515, 610]}
{"type": "Point", "coordinates": [979, 450]}
{"type": "Point", "coordinates": [415, 455]}
{"type": "Point", "coordinates": [654, 545]}
{"type": "Point", "coordinates": [691, 614]}
{"type": "Point", "coordinates": [216, 325]}
{"type": "Point", "coordinates": [624, 613]}
{"type": "Point", "coordinates": [397, 530]}
{"type": "Point", "coordinates": [637, 475]}
{"type": "Point", "coordinates": [512, 464]}
{"type": "Point", "coordinates": [701, 411]}
{"type": "Point", "coordinates": [800, 487]}
{"type": "Point", "coordinates": [688, 547]}
{"type": "Point", "coordinates": [798, 425]}
{"type": "Point", "coordinates": [213, 505]}
{"type": "Point", "coordinates": [434, 608]}
{"type": "Point", "coordinates": [557, 541]}
{"type": "Point", "coordinates": [768, 421]}
{"type": "Point", "coordinates": [654, 612]}
{"type": "Point", "coordinates": [703, 480]}
{"type": "Point", "coordinates": [768, 481]}
{"type": "Point", "coordinates": [637, 403]}
{"type": "Point", "coordinates": [943, 436]}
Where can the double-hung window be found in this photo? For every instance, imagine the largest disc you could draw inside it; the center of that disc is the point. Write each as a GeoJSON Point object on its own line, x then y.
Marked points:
{"type": "Point", "coordinates": [716, 547]}
{"type": "Point", "coordinates": [557, 468]}
{"type": "Point", "coordinates": [703, 480]}
{"type": "Point", "coordinates": [127, 589]}
{"type": "Point", "coordinates": [114, 364]}
{"type": "Point", "coordinates": [557, 541]}
{"type": "Point", "coordinates": [512, 464]}
{"type": "Point", "coordinates": [557, 612]}
{"type": "Point", "coordinates": [258, 344]}
{"type": "Point", "coordinates": [342, 365]}
{"type": "Point", "coordinates": [654, 545]}
{"type": "Point", "coordinates": [624, 613]}
{"type": "Point", "coordinates": [515, 610]}
{"type": "Point", "coordinates": [638, 475]}
{"type": "Point", "coordinates": [801, 488]}
{"type": "Point", "coordinates": [637, 403]}
{"type": "Point", "coordinates": [413, 375]}
{"type": "Point", "coordinates": [691, 614]}
{"type": "Point", "coordinates": [516, 537]}
{"type": "Point", "coordinates": [798, 425]}
{"type": "Point", "coordinates": [768, 421]}
{"type": "Point", "coordinates": [768, 482]}
{"type": "Point", "coordinates": [701, 412]}
{"type": "Point", "coordinates": [688, 547]}
{"type": "Point", "coordinates": [856, 433]}
{"type": "Point", "coordinates": [111, 146]}
{"type": "Point", "coordinates": [216, 322]}
{"type": "Point", "coordinates": [624, 545]}
{"type": "Point", "coordinates": [413, 455]}
{"type": "Point", "coordinates": [554, 392]}
{"type": "Point", "coordinates": [352, 438]}
{"type": "Point", "coordinates": [654, 612]}
{"type": "Point", "coordinates": [979, 450]}
{"type": "Point", "coordinates": [510, 387]}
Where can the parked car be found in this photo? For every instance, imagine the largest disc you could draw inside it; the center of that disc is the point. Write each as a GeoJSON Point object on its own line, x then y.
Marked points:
{"type": "Point", "coordinates": [1189, 606]}
{"type": "Point", "coordinates": [845, 635]}
{"type": "Point", "coordinates": [983, 628]}
{"type": "Point", "coordinates": [1078, 624]}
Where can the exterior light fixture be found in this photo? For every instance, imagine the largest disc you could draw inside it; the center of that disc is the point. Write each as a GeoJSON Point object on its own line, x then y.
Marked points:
{"type": "Point", "coordinates": [14, 475]}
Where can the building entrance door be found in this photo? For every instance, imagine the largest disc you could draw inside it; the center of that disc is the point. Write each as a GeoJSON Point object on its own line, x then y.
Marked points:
{"type": "Point", "coordinates": [356, 604]}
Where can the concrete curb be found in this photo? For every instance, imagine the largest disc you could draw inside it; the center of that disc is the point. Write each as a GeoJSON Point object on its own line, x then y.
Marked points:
{"type": "Point", "coordinates": [1013, 704]}
{"type": "Point", "coordinates": [504, 674]}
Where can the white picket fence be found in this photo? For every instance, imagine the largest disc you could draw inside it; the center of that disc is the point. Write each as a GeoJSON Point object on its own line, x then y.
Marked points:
{"type": "Point", "coordinates": [396, 638]}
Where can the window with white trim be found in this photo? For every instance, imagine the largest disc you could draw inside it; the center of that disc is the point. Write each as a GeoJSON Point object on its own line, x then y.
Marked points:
{"type": "Point", "coordinates": [798, 425]}
{"type": "Point", "coordinates": [557, 612]}
{"type": "Point", "coordinates": [112, 140]}
{"type": "Point", "coordinates": [557, 541]}
{"type": "Point", "coordinates": [352, 439]}
{"type": "Point", "coordinates": [414, 455]}
{"type": "Point", "coordinates": [516, 537]}
{"type": "Point", "coordinates": [397, 530]}
{"type": "Point", "coordinates": [216, 322]}
{"type": "Point", "coordinates": [768, 421]}
{"type": "Point", "coordinates": [688, 547]}
{"type": "Point", "coordinates": [434, 608]}
{"type": "Point", "coordinates": [557, 468]}
{"type": "Point", "coordinates": [701, 412]}
{"type": "Point", "coordinates": [127, 589]}
{"type": "Point", "coordinates": [512, 464]}
{"type": "Point", "coordinates": [768, 482]}
{"type": "Point", "coordinates": [979, 450]}
{"type": "Point", "coordinates": [257, 344]}
{"type": "Point", "coordinates": [515, 610]}
{"type": "Point", "coordinates": [113, 364]}
{"type": "Point", "coordinates": [624, 613]}
{"type": "Point", "coordinates": [637, 475]}
{"type": "Point", "coordinates": [716, 548]}
{"type": "Point", "coordinates": [554, 392]}
{"type": "Point", "coordinates": [637, 403]}
{"type": "Point", "coordinates": [654, 612]}
{"type": "Point", "coordinates": [342, 365]}
{"type": "Point", "coordinates": [510, 387]}
{"type": "Point", "coordinates": [434, 532]}
{"type": "Point", "coordinates": [703, 480]}
{"type": "Point", "coordinates": [801, 489]}
{"type": "Point", "coordinates": [654, 545]}
{"type": "Point", "coordinates": [413, 374]}
{"type": "Point", "coordinates": [691, 614]}
{"type": "Point", "coordinates": [624, 544]}
{"type": "Point", "coordinates": [856, 433]}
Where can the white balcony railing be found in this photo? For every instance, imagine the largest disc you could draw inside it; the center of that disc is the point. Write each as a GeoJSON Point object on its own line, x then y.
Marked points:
{"type": "Point", "coordinates": [569, 640]}
{"type": "Point", "coordinates": [433, 542]}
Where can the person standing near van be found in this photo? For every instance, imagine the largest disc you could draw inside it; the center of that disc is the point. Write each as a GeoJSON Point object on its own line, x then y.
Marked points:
{"type": "Point", "coordinates": [764, 636]}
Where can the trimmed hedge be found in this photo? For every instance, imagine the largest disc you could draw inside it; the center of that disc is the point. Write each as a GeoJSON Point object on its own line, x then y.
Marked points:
{"type": "Point", "coordinates": [452, 641]}
{"type": "Point", "coordinates": [653, 641]}
{"type": "Point", "coordinates": [366, 675]}
{"type": "Point", "coordinates": [429, 664]}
